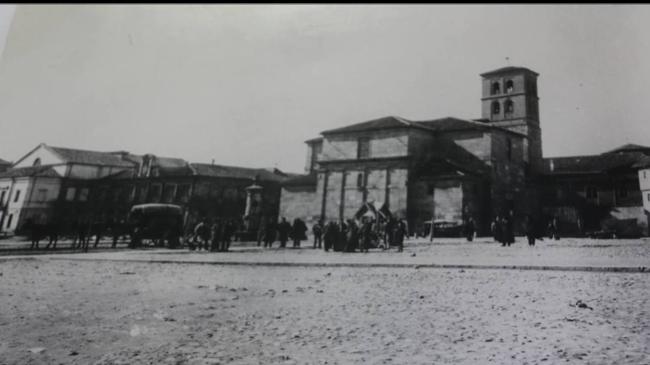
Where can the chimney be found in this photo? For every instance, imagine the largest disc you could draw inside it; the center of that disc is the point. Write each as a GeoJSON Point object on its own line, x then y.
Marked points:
{"type": "Point", "coordinates": [213, 161]}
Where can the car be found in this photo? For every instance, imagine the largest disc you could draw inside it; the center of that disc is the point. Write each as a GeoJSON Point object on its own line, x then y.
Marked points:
{"type": "Point", "coordinates": [444, 228]}
{"type": "Point", "coordinates": [160, 223]}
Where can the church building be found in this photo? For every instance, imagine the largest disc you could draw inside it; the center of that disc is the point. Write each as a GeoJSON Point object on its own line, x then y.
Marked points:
{"type": "Point", "coordinates": [446, 169]}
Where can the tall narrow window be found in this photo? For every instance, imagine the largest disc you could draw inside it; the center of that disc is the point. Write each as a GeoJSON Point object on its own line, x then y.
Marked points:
{"type": "Point", "coordinates": [496, 108]}
{"type": "Point", "coordinates": [510, 86]}
{"type": "Point", "coordinates": [2, 196]}
{"type": "Point", "coordinates": [70, 194]}
{"type": "Point", "coordinates": [42, 195]}
{"type": "Point", "coordinates": [363, 150]}
{"type": "Point", "coordinates": [360, 180]}
{"type": "Point", "coordinates": [17, 196]}
{"type": "Point", "coordinates": [11, 217]}
{"type": "Point", "coordinates": [509, 107]}
{"type": "Point", "coordinates": [496, 88]}
{"type": "Point", "coordinates": [83, 194]}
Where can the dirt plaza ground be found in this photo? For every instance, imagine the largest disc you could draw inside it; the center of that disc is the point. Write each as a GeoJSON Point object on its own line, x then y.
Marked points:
{"type": "Point", "coordinates": [253, 306]}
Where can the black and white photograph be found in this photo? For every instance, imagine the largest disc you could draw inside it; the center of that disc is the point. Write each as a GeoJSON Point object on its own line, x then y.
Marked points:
{"type": "Point", "coordinates": [316, 184]}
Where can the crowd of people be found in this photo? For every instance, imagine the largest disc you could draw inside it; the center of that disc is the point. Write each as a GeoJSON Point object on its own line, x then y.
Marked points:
{"type": "Point", "coordinates": [502, 229]}
{"type": "Point", "coordinates": [341, 236]}
{"type": "Point", "coordinates": [214, 236]}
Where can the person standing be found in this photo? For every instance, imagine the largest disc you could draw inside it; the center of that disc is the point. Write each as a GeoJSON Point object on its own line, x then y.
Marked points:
{"type": "Point", "coordinates": [200, 234]}
{"type": "Point", "coordinates": [400, 233]}
{"type": "Point", "coordinates": [470, 229]}
{"type": "Point", "coordinates": [331, 235]}
{"type": "Point", "coordinates": [530, 230]}
{"type": "Point", "coordinates": [269, 233]}
{"type": "Point", "coordinates": [283, 232]}
{"type": "Point", "coordinates": [366, 234]}
{"type": "Point", "coordinates": [299, 231]}
{"type": "Point", "coordinates": [227, 231]}
{"type": "Point", "coordinates": [553, 229]}
{"type": "Point", "coordinates": [317, 230]}
{"type": "Point", "coordinates": [509, 229]}
{"type": "Point", "coordinates": [215, 235]}
{"type": "Point", "coordinates": [494, 228]}
{"type": "Point", "coordinates": [352, 240]}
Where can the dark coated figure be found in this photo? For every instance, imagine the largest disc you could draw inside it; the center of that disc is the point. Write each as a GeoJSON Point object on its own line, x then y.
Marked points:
{"type": "Point", "coordinates": [317, 230]}
{"type": "Point", "coordinates": [283, 232]}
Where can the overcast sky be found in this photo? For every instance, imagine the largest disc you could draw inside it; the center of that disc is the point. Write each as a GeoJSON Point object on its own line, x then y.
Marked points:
{"type": "Point", "coordinates": [246, 85]}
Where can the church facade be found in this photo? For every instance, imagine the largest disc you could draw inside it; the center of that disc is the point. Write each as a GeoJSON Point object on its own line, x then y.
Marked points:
{"type": "Point", "coordinates": [446, 170]}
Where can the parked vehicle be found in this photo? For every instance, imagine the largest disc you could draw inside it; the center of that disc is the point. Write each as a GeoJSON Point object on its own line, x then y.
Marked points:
{"type": "Point", "coordinates": [444, 228]}
{"type": "Point", "coordinates": [162, 224]}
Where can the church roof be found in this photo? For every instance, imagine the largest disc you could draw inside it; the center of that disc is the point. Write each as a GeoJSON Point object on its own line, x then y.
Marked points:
{"type": "Point", "coordinates": [446, 124]}
{"type": "Point", "coordinates": [375, 124]}
{"type": "Point", "coordinates": [508, 69]}
{"type": "Point", "coordinates": [449, 124]}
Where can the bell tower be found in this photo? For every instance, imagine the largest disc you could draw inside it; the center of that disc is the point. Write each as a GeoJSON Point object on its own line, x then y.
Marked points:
{"type": "Point", "coordinates": [509, 100]}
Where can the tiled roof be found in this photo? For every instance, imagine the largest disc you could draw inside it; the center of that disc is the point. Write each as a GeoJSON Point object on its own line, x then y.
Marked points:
{"type": "Point", "coordinates": [42, 171]}
{"type": "Point", "coordinates": [508, 69]}
{"type": "Point", "coordinates": [90, 157]}
{"type": "Point", "coordinates": [234, 172]}
{"type": "Point", "coordinates": [591, 164]}
{"type": "Point", "coordinates": [630, 147]}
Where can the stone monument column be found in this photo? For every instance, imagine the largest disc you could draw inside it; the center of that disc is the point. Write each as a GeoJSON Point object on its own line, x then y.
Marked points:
{"type": "Point", "coordinates": [253, 211]}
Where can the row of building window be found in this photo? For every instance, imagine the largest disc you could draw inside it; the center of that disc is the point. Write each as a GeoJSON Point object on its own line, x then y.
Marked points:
{"type": "Point", "coordinates": [508, 106]}
{"type": "Point", "coordinates": [496, 87]}
{"type": "Point", "coordinates": [3, 194]}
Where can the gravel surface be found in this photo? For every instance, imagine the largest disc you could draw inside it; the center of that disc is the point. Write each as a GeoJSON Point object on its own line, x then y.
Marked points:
{"type": "Point", "coordinates": [81, 312]}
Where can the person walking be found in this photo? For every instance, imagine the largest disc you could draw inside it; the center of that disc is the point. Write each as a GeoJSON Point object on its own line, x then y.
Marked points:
{"type": "Point", "coordinates": [317, 230]}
